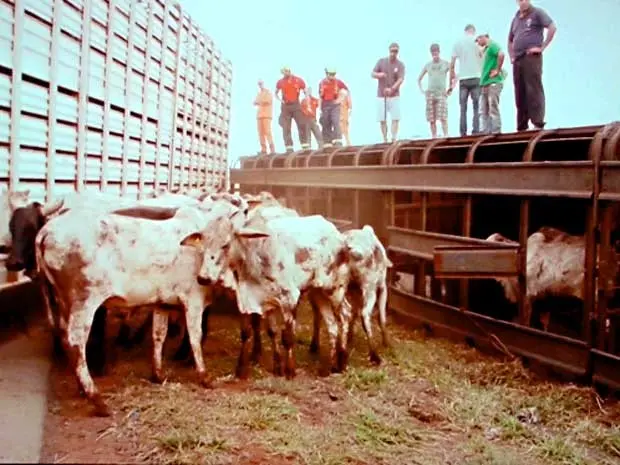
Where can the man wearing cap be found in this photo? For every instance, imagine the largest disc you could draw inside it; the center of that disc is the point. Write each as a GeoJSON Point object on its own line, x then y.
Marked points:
{"type": "Point", "coordinates": [264, 114]}
{"type": "Point", "coordinates": [390, 74]}
{"type": "Point", "coordinates": [436, 93]}
{"type": "Point", "coordinates": [309, 106]}
{"type": "Point", "coordinates": [329, 89]}
{"type": "Point", "coordinates": [526, 46]}
{"type": "Point", "coordinates": [290, 86]}
{"type": "Point", "coordinates": [467, 52]}
{"type": "Point", "coordinates": [491, 83]}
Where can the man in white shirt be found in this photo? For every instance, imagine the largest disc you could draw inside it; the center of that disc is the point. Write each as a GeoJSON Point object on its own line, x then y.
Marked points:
{"type": "Point", "coordinates": [470, 65]}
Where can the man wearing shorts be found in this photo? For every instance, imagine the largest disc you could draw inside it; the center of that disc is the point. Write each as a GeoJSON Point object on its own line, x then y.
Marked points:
{"type": "Point", "coordinates": [436, 93]}
{"type": "Point", "coordinates": [390, 74]}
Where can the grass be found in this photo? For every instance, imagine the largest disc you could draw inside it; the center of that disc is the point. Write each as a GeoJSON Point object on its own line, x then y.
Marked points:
{"type": "Point", "coordinates": [430, 402]}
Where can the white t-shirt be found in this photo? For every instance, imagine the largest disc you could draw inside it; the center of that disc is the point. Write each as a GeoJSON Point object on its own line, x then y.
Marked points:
{"type": "Point", "coordinates": [469, 58]}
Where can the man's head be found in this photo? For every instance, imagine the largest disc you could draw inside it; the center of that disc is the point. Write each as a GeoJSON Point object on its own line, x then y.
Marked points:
{"type": "Point", "coordinates": [483, 40]}
{"type": "Point", "coordinates": [330, 73]}
{"type": "Point", "coordinates": [470, 29]}
{"type": "Point", "coordinates": [261, 84]}
{"type": "Point", "coordinates": [394, 48]}
{"type": "Point", "coordinates": [524, 4]}
{"type": "Point", "coordinates": [435, 51]}
{"type": "Point", "coordinates": [286, 71]}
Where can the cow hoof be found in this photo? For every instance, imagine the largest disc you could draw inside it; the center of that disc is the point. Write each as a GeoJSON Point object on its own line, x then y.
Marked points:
{"type": "Point", "coordinates": [314, 347]}
{"type": "Point", "coordinates": [101, 408]}
{"type": "Point", "coordinates": [290, 373]}
{"type": "Point", "coordinates": [242, 371]}
{"type": "Point", "coordinates": [157, 378]}
{"type": "Point", "coordinates": [342, 359]}
{"type": "Point", "coordinates": [374, 358]}
{"type": "Point", "coordinates": [206, 382]}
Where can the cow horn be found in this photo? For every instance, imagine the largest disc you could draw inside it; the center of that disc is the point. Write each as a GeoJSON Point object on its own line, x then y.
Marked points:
{"type": "Point", "coordinates": [51, 208]}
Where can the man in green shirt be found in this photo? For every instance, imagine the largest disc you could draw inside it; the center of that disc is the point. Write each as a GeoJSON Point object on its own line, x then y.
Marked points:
{"type": "Point", "coordinates": [436, 93]}
{"type": "Point", "coordinates": [491, 84]}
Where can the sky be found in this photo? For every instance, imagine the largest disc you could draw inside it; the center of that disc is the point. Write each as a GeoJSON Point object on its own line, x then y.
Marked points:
{"type": "Point", "coordinates": [580, 68]}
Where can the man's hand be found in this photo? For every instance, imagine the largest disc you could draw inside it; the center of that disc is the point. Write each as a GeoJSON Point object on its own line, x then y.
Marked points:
{"type": "Point", "coordinates": [534, 50]}
{"type": "Point", "coordinates": [387, 91]}
{"type": "Point", "coordinates": [493, 73]}
{"type": "Point", "coordinates": [449, 92]}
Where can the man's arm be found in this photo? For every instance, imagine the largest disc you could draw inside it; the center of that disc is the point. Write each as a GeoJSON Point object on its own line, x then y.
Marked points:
{"type": "Point", "coordinates": [401, 78]}
{"type": "Point", "coordinates": [511, 37]}
{"type": "Point", "coordinates": [376, 71]}
{"type": "Point", "coordinates": [420, 77]}
{"type": "Point", "coordinates": [547, 23]}
{"type": "Point", "coordinates": [453, 69]}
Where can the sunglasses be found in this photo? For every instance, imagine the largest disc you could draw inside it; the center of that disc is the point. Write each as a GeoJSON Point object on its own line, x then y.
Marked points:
{"type": "Point", "coordinates": [394, 50]}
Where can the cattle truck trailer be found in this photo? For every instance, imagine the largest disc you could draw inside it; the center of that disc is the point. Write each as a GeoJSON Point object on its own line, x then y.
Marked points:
{"type": "Point", "coordinates": [119, 96]}
{"type": "Point", "coordinates": [433, 202]}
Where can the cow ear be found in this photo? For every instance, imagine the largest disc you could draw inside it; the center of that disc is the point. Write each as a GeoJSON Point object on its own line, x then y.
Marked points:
{"type": "Point", "coordinates": [248, 233]}
{"type": "Point", "coordinates": [193, 240]}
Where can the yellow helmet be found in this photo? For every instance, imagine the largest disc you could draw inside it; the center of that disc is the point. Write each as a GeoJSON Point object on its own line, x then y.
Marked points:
{"type": "Point", "coordinates": [330, 70]}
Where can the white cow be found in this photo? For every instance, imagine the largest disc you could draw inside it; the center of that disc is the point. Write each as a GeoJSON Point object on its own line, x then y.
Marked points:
{"type": "Point", "coordinates": [122, 262]}
{"type": "Point", "coordinates": [269, 264]}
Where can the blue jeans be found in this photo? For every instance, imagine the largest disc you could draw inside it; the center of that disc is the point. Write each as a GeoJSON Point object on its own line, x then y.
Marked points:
{"type": "Point", "coordinates": [469, 88]}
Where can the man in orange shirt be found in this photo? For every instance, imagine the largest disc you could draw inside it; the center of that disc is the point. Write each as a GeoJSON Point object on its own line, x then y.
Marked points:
{"type": "Point", "coordinates": [309, 106]}
{"type": "Point", "coordinates": [290, 86]}
{"type": "Point", "coordinates": [330, 107]}
{"type": "Point", "coordinates": [264, 114]}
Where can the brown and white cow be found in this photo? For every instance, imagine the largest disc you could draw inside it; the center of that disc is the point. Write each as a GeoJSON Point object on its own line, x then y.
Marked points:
{"type": "Point", "coordinates": [368, 263]}
{"type": "Point", "coordinates": [124, 261]}
{"type": "Point", "coordinates": [270, 264]}
{"type": "Point", "coordinates": [555, 267]}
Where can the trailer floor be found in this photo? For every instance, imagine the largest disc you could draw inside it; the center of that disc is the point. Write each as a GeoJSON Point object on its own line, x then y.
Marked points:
{"type": "Point", "coordinates": [431, 402]}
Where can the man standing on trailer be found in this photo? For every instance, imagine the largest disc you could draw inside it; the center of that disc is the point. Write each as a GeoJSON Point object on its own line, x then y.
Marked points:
{"type": "Point", "coordinates": [436, 93]}
{"type": "Point", "coordinates": [526, 47]}
{"type": "Point", "coordinates": [329, 90]}
{"type": "Point", "coordinates": [390, 74]}
{"type": "Point", "coordinates": [264, 115]}
{"type": "Point", "coordinates": [470, 60]}
{"type": "Point", "coordinates": [290, 87]}
{"type": "Point", "coordinates": [345, 112]}
{"type": "Point", "coordinates": [491, 83]}
{"type": "Point", "coordinates": [308, 107]}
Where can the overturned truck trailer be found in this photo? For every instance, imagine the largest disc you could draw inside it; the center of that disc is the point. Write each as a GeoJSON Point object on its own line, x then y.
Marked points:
{"type": "Point", "coordinates": [434, 202]}
{"type": "Point", "coordinates": [120, 96]}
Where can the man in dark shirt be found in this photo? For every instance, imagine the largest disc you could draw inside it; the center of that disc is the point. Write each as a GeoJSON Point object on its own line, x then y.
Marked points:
{"type": "Point", "coordinates": [526, 46]}
{"type": "Point", "coordinates": [390, 74]}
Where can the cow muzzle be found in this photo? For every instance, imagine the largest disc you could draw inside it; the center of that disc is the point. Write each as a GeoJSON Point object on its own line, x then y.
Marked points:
{"type": "Point", "coordinates": [204, 281]}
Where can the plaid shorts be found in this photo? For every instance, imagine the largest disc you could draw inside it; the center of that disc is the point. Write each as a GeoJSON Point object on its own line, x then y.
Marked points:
{"type": "Point", "coordinates": [436, 107]}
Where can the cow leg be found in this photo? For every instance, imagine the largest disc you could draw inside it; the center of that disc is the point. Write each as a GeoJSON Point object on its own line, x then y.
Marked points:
{"type": "Point", "coordinates": [288, 344]}
{"type": "Point", "coordinates": [344, 314]}
{"type": "Point", "coordinates": [382, 296]}
{"type": "Point", "coordinates": [78, 327]}
{"type": "Point", "coordinates": [272, 332]}
{"type": "Point", "coordinates": [97, 346]}
{"type": "Point", "coordinates": [184, 350]}
{"type": "Point", "coordinates": [545, 319]}
{"type": "Point", "coordinates": [243, 363]}
{"type": "Point", "coordinates": [193, 317]}
{"type": "Point", "coordinates": [370, 299]}
{"type": "Point", "coordinates": [316, 327]}
{"type": "Point", "coordinates": [332, 330]}
{"type": "Point", "coordinates": [160, 331]}
{"type": "Point", "coordinates": [257, 349]}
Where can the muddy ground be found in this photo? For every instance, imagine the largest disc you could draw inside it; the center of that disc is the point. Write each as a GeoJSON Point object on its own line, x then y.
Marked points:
{"type": "Point", "coordinates": [430, 402]}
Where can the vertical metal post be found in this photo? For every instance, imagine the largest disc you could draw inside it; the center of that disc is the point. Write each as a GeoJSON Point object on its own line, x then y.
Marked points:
{"type": "Point", "coordinates": [130, 39]}
{"type": "Point", "coordinates": [53, 96]}
{"type": "Point", "coordinates": [16, 95]}
{"type": "Point", "coordinates": [160, 98]}
{"type": "Point", "coordinates": [147, 68]}
{"type": "Point", "coordinates": [175, 120]}
{"type": "Point", "coordinates": [83, 97]}
{"type": "Point", "coordinates": [192, 132]}
{"type": "Point", "coordinates": [105, 143]}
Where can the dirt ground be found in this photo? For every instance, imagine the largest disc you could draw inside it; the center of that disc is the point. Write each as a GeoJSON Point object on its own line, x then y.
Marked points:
{"type": "Point", "coordinates": [430, 402]}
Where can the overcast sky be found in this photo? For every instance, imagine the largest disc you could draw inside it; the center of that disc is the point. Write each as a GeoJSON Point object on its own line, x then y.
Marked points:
{"type": "Point", "coordinates": [581, 67]}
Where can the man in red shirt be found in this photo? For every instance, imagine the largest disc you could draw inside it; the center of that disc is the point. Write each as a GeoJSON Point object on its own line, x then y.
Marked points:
{"type": "Point", "coordinates": [329, 89]}
{"type": "Point", "coordinates": [290, 87]}
{"type": "Point", "coordinates": [308, 107]}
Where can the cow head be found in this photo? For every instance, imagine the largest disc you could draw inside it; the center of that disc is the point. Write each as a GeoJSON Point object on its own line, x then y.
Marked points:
{"type": "Point", "coordinates": [9, 202]}
{"type": "Point", "coordinates": [217, 244]}
{"type": "Point", "coordinates": [24, 225]}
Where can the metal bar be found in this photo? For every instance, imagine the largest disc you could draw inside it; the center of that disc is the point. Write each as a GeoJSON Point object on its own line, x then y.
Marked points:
{"type": "Point", "coordinates": [561, 352]}
{"type": "Point", "coordinates": [130, 39]}
{"type": "Point", "coordinates": [105, 140]}
{"type": "Point", "coordinates": [474, 262]}
{"type": "Point", "coordinates": [561, 179]}
{"type": "Point", "coordinates": [605, 369]}
{"type": "Point", "coordinates": [16, 94]}
{"type": "Point", "coordinates": [161, 115]}
{"type": "Point", "coordinates": [422, 244]}
{"type": "Point", "coordinates": [53, 97]}
{"type": "Point", "coordinates": [145, 99]}
{"type": "Point", "coordinates": [610, 180]}
{"type": "Point", "coordinates": [175, 118]}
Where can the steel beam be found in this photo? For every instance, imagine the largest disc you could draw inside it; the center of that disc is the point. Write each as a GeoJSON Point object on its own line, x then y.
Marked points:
{"type": "Point", "coordinates": [606, 369]}
{"type": "Point", "coordinates": [476, 262]}
{"type": "Point", "coordinates": [421, 244]}
{"type": "Point", "coordinates": [555, 179]}
{"type": "Point", "coordinates": [560, 352]}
